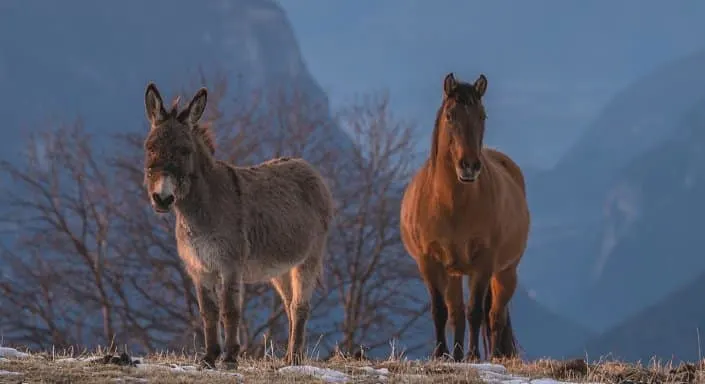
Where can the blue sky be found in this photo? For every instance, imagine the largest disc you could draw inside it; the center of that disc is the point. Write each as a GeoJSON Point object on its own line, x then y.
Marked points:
{"type": "Point", "coordinates": [552, 64]}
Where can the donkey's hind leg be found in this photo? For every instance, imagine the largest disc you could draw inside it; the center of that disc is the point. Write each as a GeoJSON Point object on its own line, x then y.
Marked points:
{"type": "Point", "coordinates": [303, 282]}
{"type": "Point", "coordinates": [282, 285]}
{"type": "Point", "coordinates": [231, 298]}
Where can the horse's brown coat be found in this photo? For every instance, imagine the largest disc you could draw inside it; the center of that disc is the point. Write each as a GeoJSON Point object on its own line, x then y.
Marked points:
{"type": "Point", "coordinates": [465, 213]}
{"type": "Point", "coordinates": [236, 225]}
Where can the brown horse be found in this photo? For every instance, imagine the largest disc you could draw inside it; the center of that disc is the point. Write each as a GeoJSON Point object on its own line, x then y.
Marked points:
{"type": "Point", "coordinates": [465, 213]}
{"type": "Point", "coordinates": [236, 225]}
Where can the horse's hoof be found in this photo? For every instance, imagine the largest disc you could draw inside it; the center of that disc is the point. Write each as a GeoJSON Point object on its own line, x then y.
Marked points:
{"type": "Point", "coordinates": [207, 362]}
{"type": "Point", "coordinates": [441, 354]}
{"type": "Point", "coordinates": [471, 358]}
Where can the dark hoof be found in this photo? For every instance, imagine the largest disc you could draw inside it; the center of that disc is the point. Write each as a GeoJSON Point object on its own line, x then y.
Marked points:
{"type": "Point", "coordinates": [294, 359]}
{"type": "Point", "coordinates": [471, 358]}
{"type": "Point", "coordinates": [228, 365]}
{"type": "Point", "coordinates": [207, 362]}
{"type": "Point", "coordinates": [441, 353]}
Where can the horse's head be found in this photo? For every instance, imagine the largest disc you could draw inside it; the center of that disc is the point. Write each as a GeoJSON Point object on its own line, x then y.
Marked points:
{"type": "Point", "coordinates": [171, 147]}
{"type": "Point", "coordinates": [461, 126]}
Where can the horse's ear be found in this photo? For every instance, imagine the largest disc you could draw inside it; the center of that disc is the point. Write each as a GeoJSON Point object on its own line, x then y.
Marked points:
{"type": "Point", "coordinates": [449, 84]}
{"type": "Point", "coordinates": [481, 85]}
{"type": "Point", "coordinates": [196, 107]}
{"type": "Point", "coordinates": [154, 106]}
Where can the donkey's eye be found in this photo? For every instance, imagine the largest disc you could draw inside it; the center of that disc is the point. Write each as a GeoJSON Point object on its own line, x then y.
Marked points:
{"type": "Point", "coordinates": [183, 151]}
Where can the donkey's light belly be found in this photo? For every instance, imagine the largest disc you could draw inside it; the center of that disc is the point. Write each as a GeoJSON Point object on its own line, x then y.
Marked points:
{"type": "Point", "coordinates": [257, 270]}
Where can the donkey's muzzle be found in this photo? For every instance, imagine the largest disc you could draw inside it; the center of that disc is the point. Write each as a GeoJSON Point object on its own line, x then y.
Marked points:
{"type": "Point", "coordinates": [162, 204]}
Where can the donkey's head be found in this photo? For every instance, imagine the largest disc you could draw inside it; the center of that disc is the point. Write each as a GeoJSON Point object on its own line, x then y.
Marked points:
{"type": "Point", "coordinates": [171, 147]}
{"type": "Point", "coordinates": [461, 126]}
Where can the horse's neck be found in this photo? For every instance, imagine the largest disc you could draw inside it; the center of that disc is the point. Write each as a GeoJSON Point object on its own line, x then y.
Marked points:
{"type": "Point", "coordinates": [447, 190]}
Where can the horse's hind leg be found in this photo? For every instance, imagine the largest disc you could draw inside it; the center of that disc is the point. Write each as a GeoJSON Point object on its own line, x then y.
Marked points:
{"type": "Point", "coordinates": [456, 313]}
{"type": "Point", "coordinates": [303, 282]}
{"type": "Point", "coordinates": [479, 284]}
{"type": "Point", "coordinates": [435, 279]}
{"type": "Point", "coordinates": [502, 337]}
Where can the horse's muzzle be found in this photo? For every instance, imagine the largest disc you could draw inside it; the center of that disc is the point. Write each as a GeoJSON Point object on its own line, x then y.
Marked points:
{"type": "Point", "coordinates": [466, 172]}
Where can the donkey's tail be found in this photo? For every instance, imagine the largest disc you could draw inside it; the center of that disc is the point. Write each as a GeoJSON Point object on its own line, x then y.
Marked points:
{"type": "Point", "coordinates": [321, 284]}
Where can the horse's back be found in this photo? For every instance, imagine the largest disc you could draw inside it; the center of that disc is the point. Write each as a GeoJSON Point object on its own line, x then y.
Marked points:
{"type": "Point", "coordinates": [506, 164]}
{"type": "Point", "coordinates": [414, 210]}
{"type": "Point", "coordinates": [512, 207]}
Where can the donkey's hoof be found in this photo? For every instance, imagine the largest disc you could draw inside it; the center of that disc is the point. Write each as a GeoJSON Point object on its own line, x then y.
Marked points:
{"type": "Point", "coordinates": [228, 365]}
{"type": "Point", "coordinates": [293, 359]}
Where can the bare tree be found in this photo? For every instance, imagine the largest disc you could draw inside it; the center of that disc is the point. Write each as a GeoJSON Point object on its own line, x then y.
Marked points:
{"type": "Point", "coordinates": [62, 211]}
{"type": "Point", "coordinates": [87, 246]}
{"type": "Point", "coordinates": [372, 277]}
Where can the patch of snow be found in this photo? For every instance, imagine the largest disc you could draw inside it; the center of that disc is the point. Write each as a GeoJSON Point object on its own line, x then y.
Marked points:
{"type": "Point", "coordinates": [130, 379]}
{"type": "Point", "coordinates": [9, 373]}
{"type": "Point", "coordinates": [12, 352]}
{"type": "Point", "coordinates": [483, 367]}
{"type": "Point", "coordinates": [325, 374]}
{"type": "Point", "coordinates": [374, 371]}
{"type": "Point", "coordinates": [192, 369]}
{"type": "Point", "coordinates": [381, 373]}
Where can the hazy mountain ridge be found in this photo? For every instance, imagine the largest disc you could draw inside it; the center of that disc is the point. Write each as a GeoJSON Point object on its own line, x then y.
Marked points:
{"type": "Point", "coordinates": [652, 224]}
{"type": "Point", "coordinates": [576, 232]}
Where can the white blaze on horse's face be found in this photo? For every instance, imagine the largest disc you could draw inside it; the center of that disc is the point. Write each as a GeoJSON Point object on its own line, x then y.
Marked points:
{"type": "Point", "coordinates": [163, 193]}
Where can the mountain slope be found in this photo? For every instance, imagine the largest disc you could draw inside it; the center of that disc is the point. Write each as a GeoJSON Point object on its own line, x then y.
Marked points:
{"type": "Point", "coordinates": [95, 59]}
{"type": "Point", "coordinates": [569, 203]}
{"type": "Point", "coordinates": [652, 226]}
{"type": "Point", "coordinates": [541, 332]}
{"type": "Point", "coordinates": [667, 330]}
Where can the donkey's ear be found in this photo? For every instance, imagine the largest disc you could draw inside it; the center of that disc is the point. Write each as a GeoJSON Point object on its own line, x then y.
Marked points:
{"type": "Point", "coordinates": [153, 104]}
{"type": "Point", "coordinates": [480, 85]}
{"type": "Point", "coordinates": [449, 84]}
{"type": "Point", "coordinates": [196, 107]}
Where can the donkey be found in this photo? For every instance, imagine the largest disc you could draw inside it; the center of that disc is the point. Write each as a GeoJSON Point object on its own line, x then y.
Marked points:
{"type": "Point", "coordinates": [236, 225]}
{"type": "Point", "coordinates": [465, 213]}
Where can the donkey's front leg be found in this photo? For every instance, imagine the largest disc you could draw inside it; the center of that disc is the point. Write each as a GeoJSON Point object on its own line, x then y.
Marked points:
{"type": "Point", "coordinates": [209, 315]}
{"type": "Point", "coordinates": [230, 311]}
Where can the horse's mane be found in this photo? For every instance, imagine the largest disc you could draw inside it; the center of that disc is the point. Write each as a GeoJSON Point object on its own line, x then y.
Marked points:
{"type": "Point", "coordinates": [464, 93]}
{"type": "Point", "coordinates": [203, 131]}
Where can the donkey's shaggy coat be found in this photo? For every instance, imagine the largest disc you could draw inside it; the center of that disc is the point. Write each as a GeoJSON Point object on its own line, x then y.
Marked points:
{"type": "Point", "coordinates": [236, 225]}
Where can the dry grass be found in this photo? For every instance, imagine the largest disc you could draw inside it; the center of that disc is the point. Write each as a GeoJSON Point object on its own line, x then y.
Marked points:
{"type": "Point", "coordinates": [44, 368]}
{"type": "Point", "coordinates": [609, 371]}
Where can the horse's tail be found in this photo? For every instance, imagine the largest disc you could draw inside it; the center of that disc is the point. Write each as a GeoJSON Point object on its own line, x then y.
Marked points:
{"type": "Point", "coordinates": [487, 332]}
{"type": "Point", "coordinates": [508, 344]}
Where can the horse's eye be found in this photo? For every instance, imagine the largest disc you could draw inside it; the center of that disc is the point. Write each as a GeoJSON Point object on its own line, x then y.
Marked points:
{"type": "Point", "coordinates": [449, 116]}
{"type": "Point", "coordinates": [184, 151]}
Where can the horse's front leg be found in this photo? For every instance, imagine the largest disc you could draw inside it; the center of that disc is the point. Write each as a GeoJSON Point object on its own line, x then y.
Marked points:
{"type": "Point", "coordinates": [231, 297]}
